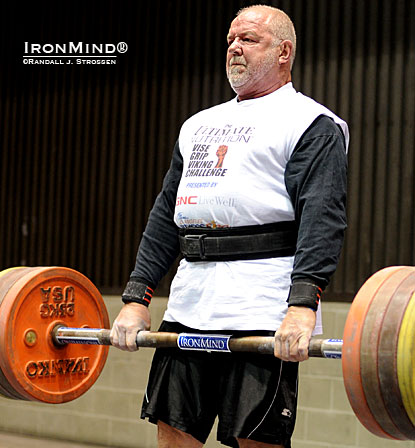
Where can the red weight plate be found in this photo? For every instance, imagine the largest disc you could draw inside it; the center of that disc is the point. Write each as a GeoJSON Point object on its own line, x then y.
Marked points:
{"type": "Point", "coordinates": [370, 359]}
{"type": "Point", "coordinates": [38, 301]}
{"type": "Point", "coordinates": [387, 355]}
{"type": "Point", "coordinates": [352, 338]}
{"type": "Point", "coordinates": [7, 278]}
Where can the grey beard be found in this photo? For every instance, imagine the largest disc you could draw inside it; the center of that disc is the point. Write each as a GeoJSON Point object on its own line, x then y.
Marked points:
{"type": "Point", "coordinates": [237, 79]}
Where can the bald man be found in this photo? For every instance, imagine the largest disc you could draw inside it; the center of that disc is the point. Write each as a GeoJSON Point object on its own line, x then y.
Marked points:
{"type": "Point", "coordinates": [254, 201]}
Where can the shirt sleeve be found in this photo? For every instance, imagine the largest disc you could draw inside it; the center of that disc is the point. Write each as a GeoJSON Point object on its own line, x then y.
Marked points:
{"type": "Point", "coordinates": [159, 246]}
{"type": "Point", "coordinates": [316, 180]}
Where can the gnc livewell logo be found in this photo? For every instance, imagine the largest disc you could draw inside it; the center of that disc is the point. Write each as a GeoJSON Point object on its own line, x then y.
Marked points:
{"type": "Point", "coordinates": [72, 53]}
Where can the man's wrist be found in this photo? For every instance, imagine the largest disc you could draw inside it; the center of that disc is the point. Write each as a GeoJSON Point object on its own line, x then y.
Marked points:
{"type": "Point", "coordinates": [304, 293]}
{"type": "Point", "coordinates": [137, 292]}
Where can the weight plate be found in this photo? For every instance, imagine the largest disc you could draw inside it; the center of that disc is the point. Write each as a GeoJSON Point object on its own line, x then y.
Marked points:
{"type": "Point", "coordinates": [388, 353]}
{"type": "Point", "coordinates": [406, 360]}
{"type": "Point", "coordinates": [7, 278]}
{"type": "Point", "coordinates": [352, 339]}
{"type": "Point", "coordinates": [371, 356]}
{"type": "Point", "coordinates": [40, 299]}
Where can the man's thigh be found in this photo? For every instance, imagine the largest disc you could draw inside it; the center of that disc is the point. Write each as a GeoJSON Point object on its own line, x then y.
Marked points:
{"type": "Point", "coordinates": [169, 437]}
{"type": "Point", "coordinates": [259, 401]}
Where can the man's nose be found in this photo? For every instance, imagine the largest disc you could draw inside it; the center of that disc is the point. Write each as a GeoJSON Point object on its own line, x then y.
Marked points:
{"type": "Point", "coordinates": [235, 47]}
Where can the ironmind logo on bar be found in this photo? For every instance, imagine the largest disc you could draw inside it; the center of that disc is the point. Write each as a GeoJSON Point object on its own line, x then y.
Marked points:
{"type": "Point", "coordinates": [203, 342]}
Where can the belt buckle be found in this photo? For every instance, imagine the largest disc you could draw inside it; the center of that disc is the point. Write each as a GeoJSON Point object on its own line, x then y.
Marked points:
{"type": "Point", "coordinates": [201, 239]}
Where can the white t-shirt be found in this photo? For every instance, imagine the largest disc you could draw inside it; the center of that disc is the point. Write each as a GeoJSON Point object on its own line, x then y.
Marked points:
{"type": "Point", "coordinates": [234, 159]}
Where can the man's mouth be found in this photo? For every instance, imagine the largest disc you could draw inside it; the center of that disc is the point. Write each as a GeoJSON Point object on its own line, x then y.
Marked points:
{"type": "Point", "coordinates": [233, 62]}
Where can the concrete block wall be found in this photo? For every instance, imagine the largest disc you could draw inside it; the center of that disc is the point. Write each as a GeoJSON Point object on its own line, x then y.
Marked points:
{"type": "Point", "coordinates": [108, 414]}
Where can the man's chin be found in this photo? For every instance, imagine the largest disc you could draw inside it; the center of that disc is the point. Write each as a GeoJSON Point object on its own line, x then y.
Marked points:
{"type": "Point", "coordinates": [236, 82]}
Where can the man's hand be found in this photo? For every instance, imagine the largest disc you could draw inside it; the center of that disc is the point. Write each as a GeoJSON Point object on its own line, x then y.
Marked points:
{"type": "Point", "coordinates": [293, 337]}
{"type": "Point", "coordinates": [132, 318]}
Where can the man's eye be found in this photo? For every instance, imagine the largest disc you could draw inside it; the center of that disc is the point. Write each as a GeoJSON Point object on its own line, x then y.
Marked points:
{"type": "Point", "coordinates": [247, 39]}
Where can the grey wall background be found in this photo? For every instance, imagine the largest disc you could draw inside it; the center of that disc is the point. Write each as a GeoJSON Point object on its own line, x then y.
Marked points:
{"type": "Point", "coordinates": [84, 148]}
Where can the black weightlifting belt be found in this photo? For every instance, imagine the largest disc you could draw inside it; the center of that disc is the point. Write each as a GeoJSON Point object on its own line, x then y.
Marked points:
{"type": "Point", "coordinates": [239, 243]}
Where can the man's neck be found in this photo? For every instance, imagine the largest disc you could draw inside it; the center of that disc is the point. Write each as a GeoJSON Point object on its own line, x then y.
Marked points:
{"type": "Point", "coordinates": [258, 93]}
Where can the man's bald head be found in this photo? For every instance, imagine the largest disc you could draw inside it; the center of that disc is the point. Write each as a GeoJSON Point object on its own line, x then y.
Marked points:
{"type": "Point", "coordinates": [279, 22]}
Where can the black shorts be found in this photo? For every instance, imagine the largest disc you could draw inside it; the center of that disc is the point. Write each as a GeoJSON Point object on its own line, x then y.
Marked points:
{"type": "Point", "coordinates": [253, 395]}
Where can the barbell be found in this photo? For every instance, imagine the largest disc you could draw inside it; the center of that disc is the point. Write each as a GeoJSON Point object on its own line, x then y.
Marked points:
{"type": "Point", "coordinates": [54, 341]}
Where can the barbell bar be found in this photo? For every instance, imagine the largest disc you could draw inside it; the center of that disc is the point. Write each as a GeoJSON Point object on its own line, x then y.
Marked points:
{"type": "Point", "coordinates": [54, 341]}
{"type": "Point", "coordinates": [321, 348]}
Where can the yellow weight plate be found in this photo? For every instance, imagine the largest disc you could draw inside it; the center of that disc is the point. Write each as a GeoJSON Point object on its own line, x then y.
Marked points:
{"type": "Point", "coordinates": [406, 359]}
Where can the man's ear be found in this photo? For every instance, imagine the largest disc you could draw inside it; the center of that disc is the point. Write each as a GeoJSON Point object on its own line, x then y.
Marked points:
{"type": "Point", "coordinates": [286, 48]}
